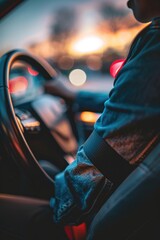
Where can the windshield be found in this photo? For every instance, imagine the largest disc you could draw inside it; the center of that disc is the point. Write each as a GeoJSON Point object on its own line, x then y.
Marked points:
{"type": "Point", "coordinates": [82, 34]}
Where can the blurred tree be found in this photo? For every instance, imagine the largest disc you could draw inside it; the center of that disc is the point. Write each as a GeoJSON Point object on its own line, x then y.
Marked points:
{"type": "Point", "coordinates": [63, 24]}
{"type": "Point", "coordinates": [113, 16]}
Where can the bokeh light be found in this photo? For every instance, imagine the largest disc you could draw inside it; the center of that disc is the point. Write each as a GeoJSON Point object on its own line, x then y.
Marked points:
{"type": "Point", "coordinates": [94, 62]}
{"type": "Point", "coordinates": [89, 44]}
{"type": "Point", "coordinates": [65, 62]}
{"type": "Point", "coordinates": [18, 85]}
{"type": "Point", "coordinates": [116, 67]}
{"type": "Point", "coordinates": [32, 72]}
{"type": "Point", "coordinates": [77, 77]}
{"type": "Point", "coordinates": [89, 117]}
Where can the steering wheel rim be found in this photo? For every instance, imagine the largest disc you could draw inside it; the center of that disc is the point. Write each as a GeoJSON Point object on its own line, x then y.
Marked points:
{"type": "Point", "coordinates": [14, 143]}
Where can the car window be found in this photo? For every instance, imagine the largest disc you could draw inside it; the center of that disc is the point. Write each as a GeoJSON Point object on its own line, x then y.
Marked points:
{"type": "Point", "coordinates": [80, 38]}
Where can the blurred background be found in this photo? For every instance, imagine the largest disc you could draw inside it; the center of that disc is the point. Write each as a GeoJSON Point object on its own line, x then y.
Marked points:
{"type": "Point", "coordinates": [84, 39]}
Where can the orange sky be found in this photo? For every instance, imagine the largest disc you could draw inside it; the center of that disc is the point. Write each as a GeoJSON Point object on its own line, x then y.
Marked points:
{"type": "Point", "coordinates": [96, 41]}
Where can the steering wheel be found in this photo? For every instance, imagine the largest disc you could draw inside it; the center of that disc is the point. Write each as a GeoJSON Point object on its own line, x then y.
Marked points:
{"type": "Point", "coordinates": [14, 143]}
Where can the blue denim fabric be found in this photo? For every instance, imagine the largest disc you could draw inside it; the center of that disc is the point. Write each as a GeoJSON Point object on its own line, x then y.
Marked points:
{"type": "Point", "coordinates": [91, 101]}
{"type": "Point", "coordinates": [134, 100]}
{"type": "Point", "coordinates": [135, 96]}
{"type": "Point", "coordinates": [131, 116]}
{"type": "Point", "coordinates": [79, 190]}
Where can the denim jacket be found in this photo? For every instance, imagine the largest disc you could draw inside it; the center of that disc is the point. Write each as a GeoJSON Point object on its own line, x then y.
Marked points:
{"type": "Point", "coordinates": [129, 124]}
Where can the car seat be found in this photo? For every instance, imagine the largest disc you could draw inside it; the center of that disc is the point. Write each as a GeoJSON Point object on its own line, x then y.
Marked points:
{"type": "Point", "coordinates": [132, 211]}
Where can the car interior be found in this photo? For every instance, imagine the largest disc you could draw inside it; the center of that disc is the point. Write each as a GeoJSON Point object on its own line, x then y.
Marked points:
{"type": "Point", "coordinates": [40, 135]}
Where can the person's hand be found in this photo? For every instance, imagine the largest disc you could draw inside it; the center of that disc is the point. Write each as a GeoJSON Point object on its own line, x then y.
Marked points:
{"type": "Point", "coordinates": [58, 87]}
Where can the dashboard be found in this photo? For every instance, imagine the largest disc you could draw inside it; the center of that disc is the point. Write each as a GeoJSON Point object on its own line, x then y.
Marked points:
{"type": "Point", "coordinates": [25, 84]}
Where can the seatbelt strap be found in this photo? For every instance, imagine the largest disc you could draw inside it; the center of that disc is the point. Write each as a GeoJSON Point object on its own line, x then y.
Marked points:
{"type": "Point", "coordinates": [105, 159]}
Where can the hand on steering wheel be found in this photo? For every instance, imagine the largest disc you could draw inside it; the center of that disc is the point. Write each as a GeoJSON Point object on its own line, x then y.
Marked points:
{"type": "Point", "coordinates": [58, 88]}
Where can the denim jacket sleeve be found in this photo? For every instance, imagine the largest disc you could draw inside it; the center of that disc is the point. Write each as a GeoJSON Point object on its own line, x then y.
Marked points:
{"type": "Point", "coordinates": [130, 120]}
{"type": "Point", "coordinates": [81, 188]}
{"type": "Point", "coordinates": [91, 101]}
{"type": "Point", "coordinates": [79, 191]}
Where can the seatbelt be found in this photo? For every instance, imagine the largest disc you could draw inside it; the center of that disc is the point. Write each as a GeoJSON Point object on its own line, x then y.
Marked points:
{"type": "Point", "coordinates": [105, 159]}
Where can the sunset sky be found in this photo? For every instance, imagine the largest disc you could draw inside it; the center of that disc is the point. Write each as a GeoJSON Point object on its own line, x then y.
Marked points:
{"type": "Point", "coordinates": [31, 24]}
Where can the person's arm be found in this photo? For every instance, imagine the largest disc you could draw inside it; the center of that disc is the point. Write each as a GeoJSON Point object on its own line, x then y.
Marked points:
{"type": "Point", "coordinates": [84, 100]}
{"type": "Point", "coordinates": [79, 190]}
{"type": "Point", "coordinates": [129, 125]}
{"type": "Point", "coordinates": [91, 101]}
{"type": "Point", "coordinates": [58, 87]}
